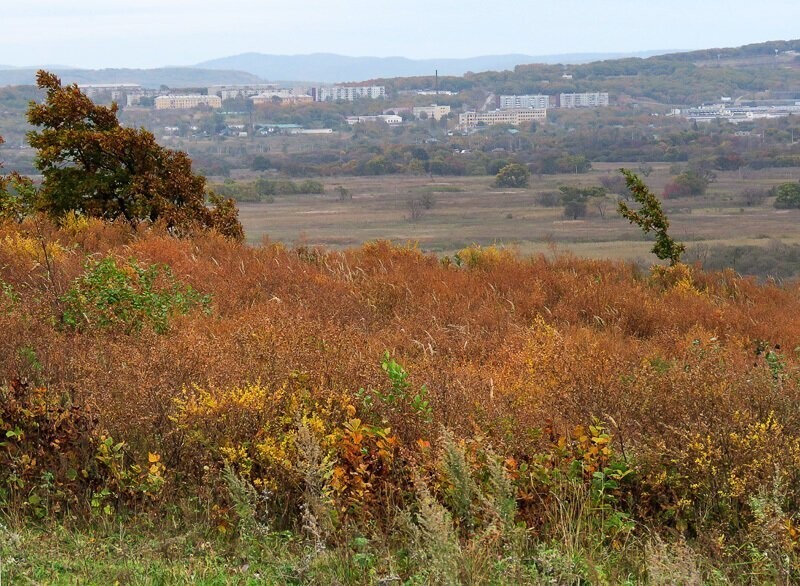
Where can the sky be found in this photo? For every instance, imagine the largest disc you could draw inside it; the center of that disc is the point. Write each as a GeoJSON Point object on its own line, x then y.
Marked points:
{"type": "Point", "coordinates": [155, 33]}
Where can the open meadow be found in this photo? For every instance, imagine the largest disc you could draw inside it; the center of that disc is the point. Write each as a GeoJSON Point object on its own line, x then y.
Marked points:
{"type": "Point", "coordinates": [470, 210]}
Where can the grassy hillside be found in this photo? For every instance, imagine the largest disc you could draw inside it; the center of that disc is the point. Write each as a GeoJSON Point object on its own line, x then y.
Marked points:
{"type": "Point", "coordinates": [200, 411]}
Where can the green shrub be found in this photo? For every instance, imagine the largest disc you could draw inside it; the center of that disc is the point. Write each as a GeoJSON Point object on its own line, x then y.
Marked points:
{"type": "Point", "coordinates": [788, 196]}
{"type": "Point", "coordinates": [127, 297]}
{"type": "Point", "coordinates": [513, 175]}
{"type": "Point", "coordinates": [268, 187]}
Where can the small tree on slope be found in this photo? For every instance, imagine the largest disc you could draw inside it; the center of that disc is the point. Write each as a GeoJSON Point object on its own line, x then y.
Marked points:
{"type": "Point", "coordinates": [650, 218]}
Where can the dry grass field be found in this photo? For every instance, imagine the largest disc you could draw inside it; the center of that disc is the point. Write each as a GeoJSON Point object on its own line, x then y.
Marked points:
{"type": "Point", "coordinates": [470, 210]}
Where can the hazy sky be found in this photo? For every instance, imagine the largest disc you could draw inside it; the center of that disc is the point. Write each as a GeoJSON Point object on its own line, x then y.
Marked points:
{"type": "Point", "coordinates": [151, 33]}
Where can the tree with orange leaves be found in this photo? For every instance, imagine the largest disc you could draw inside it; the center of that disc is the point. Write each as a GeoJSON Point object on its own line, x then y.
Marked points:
{"type": "Point", "coordinates": [94, 165]}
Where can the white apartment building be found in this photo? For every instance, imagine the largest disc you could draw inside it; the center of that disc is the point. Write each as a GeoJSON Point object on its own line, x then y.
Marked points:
{"type": "Point", "coordinates": [512, 117]}
{"type": "Point", "coordinates": [185, 102]}
{"type": "Point", "coordinates": [347, 93]}
{"type": "Point", "coordinates": [433, 111]}
{"type": "Point", "coordinates": [528, 101]}
{"type": "Point", "coordinates": [114, 90]}
{"type": "Point", "coordinates": [135, 98]}
{"type": "Point", "coordinates": [282, 96]}
{"type": "Point", "coordinates": [387, 118]}
{"type": "Point", "coordinates": [233, 92]}
{"type": "Point", "coordinates": [587, 100]}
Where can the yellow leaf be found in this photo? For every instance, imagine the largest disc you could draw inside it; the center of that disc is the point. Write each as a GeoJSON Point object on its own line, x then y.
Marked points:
{"type": "Point", "coordinates": [153, 458]}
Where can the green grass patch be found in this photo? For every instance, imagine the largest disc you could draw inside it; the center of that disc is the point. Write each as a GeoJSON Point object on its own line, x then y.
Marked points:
{"type": "Point", "coordinates": [439, 189]}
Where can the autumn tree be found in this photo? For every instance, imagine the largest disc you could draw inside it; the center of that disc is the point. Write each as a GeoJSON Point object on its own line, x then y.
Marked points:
{"type": "Point", "coordinates": [93, 165]}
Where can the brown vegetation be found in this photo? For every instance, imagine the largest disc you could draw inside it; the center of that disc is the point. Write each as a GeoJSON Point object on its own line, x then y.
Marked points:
{"type": "Point", "coordinates": [671, 397]}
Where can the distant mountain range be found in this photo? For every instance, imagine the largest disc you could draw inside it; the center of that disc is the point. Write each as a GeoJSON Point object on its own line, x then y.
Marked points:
{"type": "Point", "coordinates": [170, 76]}
{"type": "Point", "coordinates": [251, 68]}
{"type": "Point", "coordinates": [318, 67]}
{"type": "Point", "coordinates": [331, 68]}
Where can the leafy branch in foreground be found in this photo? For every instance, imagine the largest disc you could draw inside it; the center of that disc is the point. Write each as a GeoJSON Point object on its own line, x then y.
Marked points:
{"type": "Point", "coordinates": [650, 218]}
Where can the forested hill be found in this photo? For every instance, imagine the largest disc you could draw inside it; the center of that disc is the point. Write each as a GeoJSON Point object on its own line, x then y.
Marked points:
{"type": "Point", "coordinates": [678, 78]}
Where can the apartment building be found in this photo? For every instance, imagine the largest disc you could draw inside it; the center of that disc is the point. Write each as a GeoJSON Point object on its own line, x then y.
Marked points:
{"type": "Point", "coordinates": [512, 117]}
{"type": "Point", "coordinates": [234, 92]}
{"type": "Point", "coordinates": [347, 93]}
{"type": "Point", "coordinates": [140, 96]}
{"type": "Point", "coordinates": [115, 92]}
{"type": "Point", "coordinates": [186, 102]}
{"type": "Point", "coordinates": [433, 111]}
{"type": "Point", "coordinates": [587, 100]}
{"type": "Point", "coordinates": [282, 96]}
{"type": "Point", "coordinates": [387, 118]}
{"type": "Point", "coordinates": [528, 101]}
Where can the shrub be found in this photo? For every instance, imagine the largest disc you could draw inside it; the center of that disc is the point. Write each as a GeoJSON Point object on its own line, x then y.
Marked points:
{"type": "Point", "coordinates": [513, 175]}
{"type": "Point", "coordinates": [54, 460]}
{"type": "Point", "coordinates": [17, 195]}
{"type": "Point", "coordinates": [688, 183]}
{"type": "Point", "coordinates": [787, 195]}
{"type": "Point", "coordinates": [268, 187]}
{"type": "Point", "coordinates": [127, 297]}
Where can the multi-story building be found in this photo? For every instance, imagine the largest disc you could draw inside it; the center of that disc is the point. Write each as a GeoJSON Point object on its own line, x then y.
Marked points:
{"type": "Point", "coordinates": [347, 93]}
{"type": "Point", "coordinates": [527, 101]}
{"type": "Point", "coordinates": [587, 100]}
{"type": "Point", "coordinates": [512, 117]}
{"type": "Point", "coordinates": [234, 92]}
{"type": "Point", "coordinates": [387, 118]}
{"type": "Point", "coordinates": [282, 96]}
{"type": "Point", "coordinates": [112, 91]}
{"type": "Point", "coordinates": [433, 111]}
{"type": "Point", "coordinates": [735, 114]}
{"type": "Point", "coordinates": [185, 102]}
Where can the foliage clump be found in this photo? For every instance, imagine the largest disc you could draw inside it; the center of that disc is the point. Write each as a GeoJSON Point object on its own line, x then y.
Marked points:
{"type": "Point", "coordinates": [513, 175]}
{"type": "Point", "coordinates": [55, 460]}
{"type": "Point", "coordinates": [688, 183]}
{"type": "Point", "coordinates": [16, 195]}
{"type": "Point", "coordinates": [787, 196]}
{"type": "Point", "coordinates": [127, 297]}
{"type": "Point", "coordinates": [650, 217]}
{"type": "Point", "coordinates": [95, 166]}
